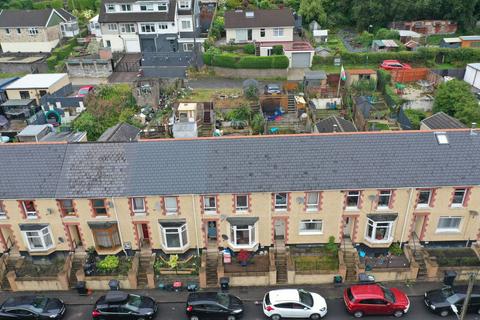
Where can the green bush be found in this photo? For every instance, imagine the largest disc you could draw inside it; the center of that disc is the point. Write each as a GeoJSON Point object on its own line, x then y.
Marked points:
{"type": "Point", "coordinates": [280, 62]}
{"type": "Point", "coordinates": [277, 50]}
{"type": "Point", "coordinates": [331, 246]}
{"type": "Point", "coordinates": [226, 60]}
{"type": "Point", "coordinates": [52, 62]}
{"type": "Point", "coordinates": [254, 62]}
{"type": "Point", "coordinates": [108, 264]}
{"type": "Point", "coordinates": [231, 47]}
{"type": "Point", "coordinates": [395, 249]}
{"type": "Point", "coordinates": [249, 48]}
{"type": "Point", "coordinates": [233, 61]}
{"type": "Point", "coordinates": [415, 116]}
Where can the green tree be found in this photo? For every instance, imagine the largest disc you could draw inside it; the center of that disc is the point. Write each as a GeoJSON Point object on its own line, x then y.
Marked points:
{"type": "Point", "coordinates": [88, 123]}
{"type": "Point", "coordinates": [383, 34]}
{"type": "Point", "coordinates": [456, 99]}
{"type": "Point", "coordinates": [313, 10]}
{"type": "Point", "coordinates": [365, 39]}
{"type": "Point", "coordinates": [266, 4]}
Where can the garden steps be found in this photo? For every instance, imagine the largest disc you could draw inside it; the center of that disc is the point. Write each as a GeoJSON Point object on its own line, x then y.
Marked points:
{"type": "Point", "coordinates": [11, 266]}
{"type": "Point", "coordinates": [281, 266]}
{"type": "Point", "coordinates": [291, 104]}
{"type": "Point", "coordinates": [351, 274]}
{"type": "Point", "coordinates": [144, 263]}
{"type": "Point", "coordinates": [211, 269]}
{"type": "Point", "coordinates": [422, 270]}
{"type": "Point", "coordinates": [77, 264]}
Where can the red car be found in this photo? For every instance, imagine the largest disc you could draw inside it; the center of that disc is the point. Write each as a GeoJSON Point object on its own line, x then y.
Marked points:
{"type": "Point", "coordinates": [374, 299]}
{"type": "Point", "coordinates": [394, 65]}
{"type": "Point", "coordinates": [84, 91]}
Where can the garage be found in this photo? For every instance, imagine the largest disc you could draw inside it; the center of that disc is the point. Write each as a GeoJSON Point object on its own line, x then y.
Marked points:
{"type": "Point", "coordinates": [301, 59]}
{"type": "Point", "coordinates": [148, 45]}
{"type": "Point", "coordinates": [132, 45]}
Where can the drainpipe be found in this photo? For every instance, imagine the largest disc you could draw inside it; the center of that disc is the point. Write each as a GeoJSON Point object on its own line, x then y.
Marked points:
{"type": "Point", "coordinates": [405, 223]}
{"type": "Point", "coordinates": [195, 222]}
{"type": "Point", "coordinates": [119, 229]}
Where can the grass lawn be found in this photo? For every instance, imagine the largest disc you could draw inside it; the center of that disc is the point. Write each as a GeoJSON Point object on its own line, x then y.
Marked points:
{"type": "Point", "coordinates": [379, 126]}
{"type": "Point", "coordinates": [11, 75]}
{"type": "Point", "coordinates": [312, 263]}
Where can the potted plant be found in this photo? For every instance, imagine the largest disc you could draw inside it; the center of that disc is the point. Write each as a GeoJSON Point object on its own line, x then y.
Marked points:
{"type": "Point", "coordinates": [173, 262]}
{"type": "Point", "coordinates": [243, 257]}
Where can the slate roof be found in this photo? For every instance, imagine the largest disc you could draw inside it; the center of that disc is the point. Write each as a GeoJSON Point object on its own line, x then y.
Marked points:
{"type": "Point", "coordinates": [121, 132]}
{"type": "Point", "coordinates": [261, 18]}
{"type": "Point", "coordinates": [105, 17]}
{"type": "Point", "coordinates": [362, 104]}
{"type": "Point", "coordinates": [327, 125]}
{"type": "Point", "coordinates": [28, 18]}
{"type": "Point", "coordinates": [441, 120]}
{"type": "Point", "coordinates": [65, 14]}
{"type": "Point", "coordinates": [242, 164]}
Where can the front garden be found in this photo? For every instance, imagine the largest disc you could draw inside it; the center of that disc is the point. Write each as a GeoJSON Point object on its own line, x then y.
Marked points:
{"type": "Point", "coordinates": [40, 268]}
{"type": "Point", "coordinates": [393, 257]}
{"type": "Point", "coordinates": [316, 259]}
{"type": "Point", "coordinates": [453, 257]}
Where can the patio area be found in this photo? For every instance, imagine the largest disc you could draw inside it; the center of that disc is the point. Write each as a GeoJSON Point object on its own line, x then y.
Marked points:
{"type": "Point", "coordinates": [376, 258]}
{"type": "Point", "coordinates": [257, 263]}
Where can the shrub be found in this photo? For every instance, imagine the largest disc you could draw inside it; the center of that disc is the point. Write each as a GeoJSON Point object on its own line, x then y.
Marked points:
{"type": "Point", "coordinates": [254, 62]}
{"type": "Point", "coordinates": [384, 34]}
{"type": "Point", "coordinates": [225, 60]}
{"type": "Point", "coordinates": [108, 264]}
{"type": "Point", "coordinates": [331, 246]}
{"type": "Point", "coordinates": [233, 61]}
{"type": "Point", "coordinates": [415, 116]}
{"type": "Point", "coordinates": [251, 92]}
{"type": "Point", "coordinates": [280, 62]}
{"type": "Point", "coordinates": [277, 50]}
{"type": "Point", "coordinates": [52, 62]}
{"type": "Point", "coordinates": [395, 249]}
{"type": "Point", "coordinates": [244, 113]}
{"type": "Point", "coordinates": [249, 48]}
{"type": "Point", "coordinates": [258, 123]}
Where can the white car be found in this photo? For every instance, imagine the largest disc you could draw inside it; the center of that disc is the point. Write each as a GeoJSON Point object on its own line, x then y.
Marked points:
{"type": "Point", "coordinates": [294, 303]}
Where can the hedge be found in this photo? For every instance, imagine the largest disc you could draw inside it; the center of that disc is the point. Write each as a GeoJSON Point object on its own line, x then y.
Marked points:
{"type": "Point", "coordinates": [52, 62]}
{"type": "Point", "coordinates": [228, 60]}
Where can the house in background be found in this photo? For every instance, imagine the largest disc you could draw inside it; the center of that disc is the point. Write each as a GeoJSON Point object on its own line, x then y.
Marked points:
{"type": "Point", "coordinates": [384, 45]}
{"type": "Point", "coordinates": [3, 84]}
{"type": "Point", "coordinates": [440, 120]}
{"type": "Point", "coordinates": [35, 30]}
{"type": "Point", "coordinates": [470, 41]}
{"type": "Point", "coordinates": [451, 43]}
{"type": "Point", "coordinates": [121, 132]}
{"type": "Point", "coordinates": [35, 86]}
{"type": "Point", "coordinates": [426, 27]}
{"type": "Point", "coordinates": [46, 133]}
{"type": "Point", "coordinates": [334, 124]}
{"type": "Point", "coordinates": [299, 53]}
{"type": "Point", "coordinates": [94, 27]}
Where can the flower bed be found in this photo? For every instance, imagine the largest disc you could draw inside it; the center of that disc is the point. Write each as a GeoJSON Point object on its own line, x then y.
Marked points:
{"type": "Point", "coordinates": [453, 257]}
{"type": "Point", "coordinates": [189, 266]}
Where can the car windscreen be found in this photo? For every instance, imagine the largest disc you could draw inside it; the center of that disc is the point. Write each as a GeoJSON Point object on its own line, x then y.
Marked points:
{"type": "Point", "coordinates": [447, 292]}
{"type": "Point", "coordinates": [305, 297]}
{"type": "Point", "coordinates": [134, 302]}
{"type": "Point", "coordinates": [350, 295]}
{"type": "Point", "coordinates": [39, 303]}
{"type": "Point", "coordinates": [223, 299]}
{"type": "Point", "coordinates": [388, 294]}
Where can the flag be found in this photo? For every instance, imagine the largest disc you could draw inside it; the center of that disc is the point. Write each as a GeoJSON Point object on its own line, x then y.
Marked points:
{"type": "Point", "coordinates": [343, 75]}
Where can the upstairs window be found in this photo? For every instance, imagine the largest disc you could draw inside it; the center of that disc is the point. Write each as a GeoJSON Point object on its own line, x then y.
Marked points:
{"type": "Point", "coordinates": [3, 212]}
{"type": "Point", "coordinates": [278, 32]}
{"type": "Point", "coordinates": [209, 203]}
{"type": "Point", "coordinates": [32, 31]}
{"type": "Point", "coordinates": [163, 26]}
{"type": "Point", "coordinates": [112, 27]}
{"type": "Point", "coordinates": [110, 7]}
{"type": "Point", "coordinates": [99, 207]}
{"type": "Point", "coordinates": [459, 197]}
{"type": "Point", "coordinates": [162, 7]}
{"type": "Point", "coordinates": [424, 198]}
{"type": "Point", "coordinates": [148, 28]}
{"type": "Point", "coordinates": [262, 32]}
{"type": "Point", "coordinates": [66, 206]}
{"type": "Point", "coordinates": [128, 28]}
{"type": "Point", "coordinates": [126, 7]}
{"type": "Point", "coordinates": [29, 209]}
{"type": "Point", "coordinates": [241, 202]}
{"type": "Point", "coordinates": [353, 200]}
{"type": "Point", "coordinates": [138, 205]}
{"type": "Point", "coordinates": [186, 24]}
{"type": "Point", "coordinates": [171, 206]}
{"type": "Point", "coordinates": [313, 199]}
{"type": "Point", "coordinates": [281, 201]}
{"type": "Point", "coordinates": [19, 31]}
{"type": "Point", "coordinates": [384, 199]}
{"type": "Point", "coordinates": [184, 5]}
{"type": "Point", "coordinates": [146, 7]}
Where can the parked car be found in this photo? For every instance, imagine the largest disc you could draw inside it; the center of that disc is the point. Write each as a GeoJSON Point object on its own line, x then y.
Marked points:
{"type": "Point", "coordinates": [120, 305]}
{"type": "Point", "coordinates": [374, 299]}
{"type": "Point", "coordinates": [394, 65]}
{"type": "Point", "coordinates": [273, 88]}
{"type": "Point", "coordinates": [213, 305]}
{"type": "Point", "coordinates": [32, 307]}
{"type": "Point", "coordinates": [294, 303]}
{"type": "Point", "coordinates": [84, 91]}
{"type": "Point", "coordinates": [440, 301]}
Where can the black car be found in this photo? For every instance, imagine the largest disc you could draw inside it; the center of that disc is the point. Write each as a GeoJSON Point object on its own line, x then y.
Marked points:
{"type": "Point", "coordinates": [213, 305]}
{"type": "Point", "coordinates": [440, 301]}
{"type": "Point", "coordinates": [120, 305]}
{"type": "Point", "coordinates": [32, 307]}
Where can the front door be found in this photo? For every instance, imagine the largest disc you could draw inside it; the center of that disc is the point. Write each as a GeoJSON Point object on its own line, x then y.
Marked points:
{"type": "Point", "coordinates": [418, 226]}
{"type": "Point", "coordinates": [75, 236]}
{"type": "Point", "coordinates": [144, 235]}
{"type": "Point", "coordinates": [212, 231]}
{"type": "Point", "coordinates": [279, 229]}
{"type": "Point", "coordinates": [347, 227]}
{"type": "Point", "coordinates": [249, 34]}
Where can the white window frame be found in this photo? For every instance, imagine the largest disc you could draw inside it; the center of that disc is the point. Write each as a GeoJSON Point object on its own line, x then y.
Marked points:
{"type": "Point", "coordinates": [33, 31]}
{"type": "Point", "coordinates": [138, 211]}
{"type": "Point", "coordinates": [41, 235]}
{"type": "Point", "coordinates": [170, 210]}
{"type": "Point", "coordinates": [375, 225]}
{"type": "Point", "coordinates": [150, 26]}
{"type": "Point", "coordinates": [189, 24]}
{"type": "Point", "coordinates": [162, 4]}
{"type": "Point", "coordinates": [29, 214]}
{"type": "Point", "coordinates": [353, 193]}
{"type": "Point", "coordinates": [110, 7]}
{"type": "Point", "coordinates": [112, 27]}
{"type": "Point", "coordinates": [281, 206]}
{"type": "Point", "coordinates": [187, 47]}
{"type": "Point", "coordinates": [108, 43]}
{"type": "Point", "coordinates": [3, 212]}
{"type": "Point", "coordinates": [462, 204]}
{"type": "Point", "coordinates": [447, 230]}
{"type": "Point", "coordinates": [171, 230]}
{"type": "Point", "coordinates": [384, 193]}
{"type": "Point", "coordinates": [128, 28]}
{"type": "Point", "coordinates": [209, 209]}
{"type": "Point", "coordinates": [148, 7]}
{"type": "Point", "coordinates": [312, 206]}
{"type": "Point", "coordinates": [252, 236]}
{"type": "Point", "coordinates": [184, 5]}
{"type": "Point", "coordinates": [278, 32]}
{"type": "Point", "coordinates": [241, 209]}
{"type": "Point", "coordinates": [425, 205]}
{"type": "Point", "coordinates": [125, 7]}
{"type": "Point", "coordinates": [305, 231]}
{"type": "Point", "coordinates": [163, 26]}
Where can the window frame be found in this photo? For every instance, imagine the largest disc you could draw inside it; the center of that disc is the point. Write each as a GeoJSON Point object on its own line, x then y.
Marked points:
{"type": "Point", "coordinates": [138, 210]}
{"type": "Point", "coordinates": [148, 7]}
{"type": "Point", "coordinates": [126, 7]}
{"type": "Point", "coordinates": [180, 231]}
{"type": "Point", "coordinates": [184, 5]}
{"type": "Point", "coordinates": [7, 31]}
{"type": "Point", "coordinates": [33, 31]}
{"type": "Point", "coordinates": [306, 231]}
{"type": "Point", "coordinates": [129, 26]}
{"type": "Point", "coordinates": [162, 4]}
{"type": "Point", "coordinates": [278, 32]}
{"type": "Point", "coordinates": [186, 46]}
{"type": "Point", "coordinates": [380, 195]}
{"type": "Point", "coordinates": [168, 210]}
{"type": "Point", "coordinates": [209, 209]}
{"type": "Point", "coordinates": [252, 236]}
{"type": "Point", "coordinates": [348, 195]}
{"type": "Point", "coordinates": [374, 225]}
{"type": "Point", "coordinates": [312, 207]}
{"type": "Point", "coordinates": [462, 203]}
{"type": "Point", "coordinates": [428, 203]}
{"type": "Point", "coordinates": [163, 26]}
{"type": "Point", "coordinates": [30, 214]}
{"type": "Point", "coordinates": [110, 7]}
{"type": "Point", "coordinates": [280, 206]}
{"type": "Point", "coordinates": [41, 236]}
{"type": "Point", "coordinates": [449, 229]}
{"type": "Point", "coordinates": [189, 24]}
{"type": "Point", "coordinates": [19, 31]}
{"type": "Point", "coordinates": [112, 27]}
{"type": "Point", "coordinates": [241, 209]}
{"type": "Point", "coordinates": [94, 208]}
{"type": "Point", "coordinates": [150, 26]}
{"type": "Point", "coordinates": [64, 209]}
{"type": "Point", "coordinates": [262, 32]}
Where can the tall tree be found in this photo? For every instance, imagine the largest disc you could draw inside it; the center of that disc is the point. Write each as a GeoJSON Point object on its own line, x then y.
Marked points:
{"type": "Point", "coordinates": [313, 10]}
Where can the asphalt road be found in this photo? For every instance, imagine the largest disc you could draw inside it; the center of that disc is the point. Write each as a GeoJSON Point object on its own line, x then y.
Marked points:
{"type": "Point", "coordinates": [336, 311]}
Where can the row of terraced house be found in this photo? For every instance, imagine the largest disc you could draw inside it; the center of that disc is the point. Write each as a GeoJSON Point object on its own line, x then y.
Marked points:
{"type": "Point", "coordinates": [242, 193]}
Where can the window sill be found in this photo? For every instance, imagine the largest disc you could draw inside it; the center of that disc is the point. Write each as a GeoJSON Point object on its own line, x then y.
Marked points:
{"type": "Point", "coordinates": [375, 241]}
{"type": "Point", "coordinates": [177, 249]}
{"type": "Point", "coordinates": [70, 216]}
{"type": "Point", "coordinates": [280, 209]}
{"type": "Point", "coordinates": [171, 213]}
{"type": "Point", "coordinates": [383, 208]}
{"type": "Point", "coordinates": [139, 213]}
{"type": "Point", "coordinates": [32, 218]}
{"type": "Point", "coordinates": [101, 217]}
{"type": "Point", "coordinates": [352, 209]}
{"type": "Point", "coordinates": [41, 250]}
{"type": "Point", "coordinates": [3, 217]}
{"type": "Point", "coordinates": [457, 206]}
{"type": "Point", "coordinates": [310, 233]}
{"type": "Point", "coordinates": [243, 211]}
{"type": "Point", "coordinates": [243, 246]}
{"type": "Point", "coordinates": [423, 207]}
{"type": "Point", "coordinates": [210, 211]}
{"type": "Point", "coordinates": [314, 210]}
{"type": "Point", "coordinates": [451, 231]}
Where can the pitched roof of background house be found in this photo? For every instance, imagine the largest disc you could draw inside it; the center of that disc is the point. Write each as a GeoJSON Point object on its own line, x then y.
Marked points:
{"type": "Point", "coordinates": [243, 164]}
{"type": "Point", "coordinates": [364, 105]}
{"type": "Point", "coordinates": [29, 18]}
{"type": "Point", "coordinates": [261, 18]}
{"type": "Point", "coordinates": [65, 14]}
{"type": "Point", "coordinates": [342, 125]}
{"type": "Point", "coordinates": [105, 17]}
{"type": "Point", "coordinates": [441, 120]}
{"type": "Point", "coordinates": [121, 132]}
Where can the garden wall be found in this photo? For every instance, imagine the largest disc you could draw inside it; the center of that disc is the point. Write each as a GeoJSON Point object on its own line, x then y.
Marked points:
{"type": "Point", "coordinates": [246, 279]}
{"type": "Point", "coordinates": [250, 73]}
{"type": "Point", "coordinates": [59, 282]}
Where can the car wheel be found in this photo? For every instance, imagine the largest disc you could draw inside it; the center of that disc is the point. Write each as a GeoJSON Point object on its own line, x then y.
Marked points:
{"type": "Point", "coordinates": [445, 313]}
{"type": "Point", "coordinates": [398, 313]}
{"type": "Point", "coordinates": [358, 314]}
{"type": "Point", "coordinates": [231, 318]}
{"type": "Point", "coordinates": [194, 318]}
{"type": "Point", "coordinates": [315, 316]}
{"type": "Point", "coordinates": [276, 317]}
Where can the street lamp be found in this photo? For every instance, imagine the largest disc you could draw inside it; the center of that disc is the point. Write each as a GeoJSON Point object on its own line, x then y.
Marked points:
{"type": "Point", "coordinates": [370, 27]}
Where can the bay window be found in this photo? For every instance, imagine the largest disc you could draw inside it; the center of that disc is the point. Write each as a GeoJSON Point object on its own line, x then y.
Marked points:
{"type": "Point", "coordinates": [281, 202]}
{"type": "Point", "coordinates": [241, 202]}
{"type": "Point", "coordinates": [384, 199]}
{"type": "Point", "coordinates": [311, 226]}
{"type": "Point", "coordinates": [170, 204]}
{"type": "Point", "coordinates": [449, 224]}
{"type": "Point", "coordinates": [138, 205]}
{"type": "Point", "coordinates": [459, 197]}
{"type": "Point", "coordinates": [210, 204]}
{"type": "Point", "coordinates": [353, 200]}
{"type": "Point", "coordinates": [424, 198]}
{"type": "Point", "coordinates": [29, 209]}
{"type": "Point", "coordinates": [313, 201]}
{"type": "Point", "coordinates": [380, 228]}
{"type": "Point", "coordinates": [243, 232]}
{"type": "Point", "coordinates": [106, 235]}
{"type": "Point", "coordinates": [174, 235]}
{"type": "Point", "coordinates": [38, 237]}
